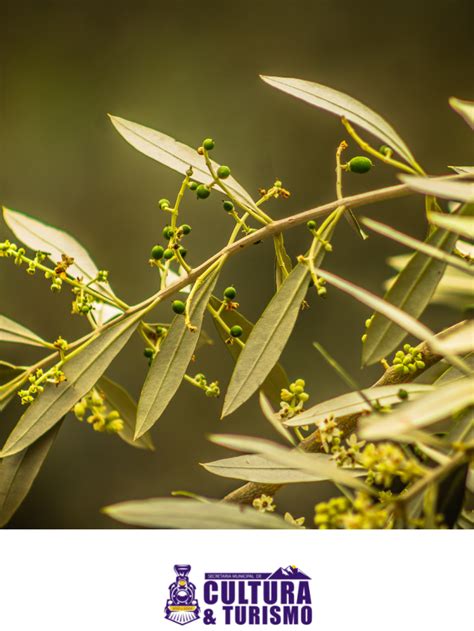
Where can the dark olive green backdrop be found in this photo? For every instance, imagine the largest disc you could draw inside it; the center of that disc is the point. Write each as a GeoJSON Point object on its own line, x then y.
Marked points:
{"type": "Point", "coordinates": [191, 69]}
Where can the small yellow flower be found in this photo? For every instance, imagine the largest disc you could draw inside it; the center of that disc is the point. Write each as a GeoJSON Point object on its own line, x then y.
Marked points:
{"type": "Point", "coordinates": [264, 504]}
{"type": "Point", "coordinates": [298, 521]}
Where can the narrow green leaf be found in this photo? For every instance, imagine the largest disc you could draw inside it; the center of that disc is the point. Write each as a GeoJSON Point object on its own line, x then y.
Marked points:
{"type": "Point", "coordinates": [188, 513]}
{"type": "Point", "coordinates": [420, 246]}
{"type": "Point", "coordinates": [464, 109]}
{"type": "Point", "coordinates": [451, 373]}
{"type": "Point", "coordinates": [168, 369]}
{"type": "Point", "coordinates": [119, 399]}
{"type": "Point", "coordinates": [82, 372]}
{"type": "Point", "coordinates": [39, 236]}
{"type": "Point", "coordinates": [256, 468]}
{"type": "Point", "coordinates": [18, 472]}
{"type": "Point", "coordinates": [454, 288]}
{"type": "Point", "coordinates": [355, 403]}
{"type": "Point", "coordinates": [11, 331]}
{"type": "Point", "coordinates": [277, 378]}
{"type": "Point", "coordinates": [343, 374]}
{"type": "Point", "coordinates": [275, 419]}
{"type": "Point", "coordinates": [426, 410]}
{"type": "Point", "coordinates": [462, 170]}
{"type": "Point", "coordinates": [463, 226]}
{"type": "Point", "coordinates": [343, 105]}
{"type": "Point", "coordinates": [175, 155]}
{"type": "Point", "coordinates": [267, 339]}
{"type": "Point", "coordinates": [291, 458]}
{"type": "Point", "coordinates": [440, 187]}
{"type": "Point", "coordinates": [11, 380]}
{"type": "Point", "coordinates": [460, 341]}
{"type": "Point", "coordinates": [411, 292]}
{"type": "Point", "coordinates": [8, 372]}
{"type": "Point", "coordinates": [393, 313]}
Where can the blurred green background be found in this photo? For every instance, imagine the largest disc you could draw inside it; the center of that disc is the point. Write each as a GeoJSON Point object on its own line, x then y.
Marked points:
{"type": "Point", "coordinates": [191, 70]}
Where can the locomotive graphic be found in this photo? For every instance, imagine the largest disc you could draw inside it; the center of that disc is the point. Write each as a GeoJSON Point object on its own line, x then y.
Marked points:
{"type": "Point", "coordinates": [182, 606]}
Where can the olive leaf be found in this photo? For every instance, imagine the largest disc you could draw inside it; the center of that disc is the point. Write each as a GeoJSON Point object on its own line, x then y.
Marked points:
{"type": "Point", "coordinates": [424, 411]}
{"type": "Point", "coordinates": [463, 169]}
{"type": "Point", "coordinates": [168, 368]}
{"type": "Point", "coordinates": [11, 331]}
{"type": "Point", "coordinates": [119, 399]}
{"type": "Point", "coordinates": [464, 109]}
{"type": "Point", "coordinates": [343, 105]}
{"type": "Point", "coordinates": [11, 379]}
{"type": "Point", "coordinates": [9, 371]}
{"type": "Point", "coordinates": [454, 288]}
{"type": "Point", "coordinates": [260, 469]}
{"type": "Point", "coordinates": [460, 341]}
{"type": "Point", "coordinates": [189, 513]}
{"type": "Point", "coordinates": [41, 237]}
{"type": "Point", "coordinates": [82, 372]}
{"type": "Point", "coordinates": [355, 403]}
{"type": "Point", "coordinates": [277, 379]}
{"type": "Point", "coordinates": [420, 246]}
{"type": "Point", "coordinates": [411, 291]}
{"type": "Point", "coordinates": [440, 187]}
{"type": "Point", "coordinates": [267, 339]}
{"type": "Point", "coordinates": [291, 458]}
{"type": "Point", "coordinates": [454, 223]}
{"type": "Point", "coordinates": [18, 472]}
{"type": "Point", "coordinates": [175, 155]}
{"type": "Point", "coordinates": [393, 313]}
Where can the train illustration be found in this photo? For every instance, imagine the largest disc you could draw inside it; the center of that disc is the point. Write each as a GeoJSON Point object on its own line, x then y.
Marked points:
{"type": "Point", "coordinates": [182, 606]}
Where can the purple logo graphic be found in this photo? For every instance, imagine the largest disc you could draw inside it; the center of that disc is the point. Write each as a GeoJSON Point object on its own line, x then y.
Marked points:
{"type": "Point", "coordinates": [282, 597]}
{"type": "Point", "coordinates": [182, 606]}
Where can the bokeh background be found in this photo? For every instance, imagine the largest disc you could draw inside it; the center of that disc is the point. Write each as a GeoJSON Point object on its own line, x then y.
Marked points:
{"type": "Point", "coordinates": [191, 70]}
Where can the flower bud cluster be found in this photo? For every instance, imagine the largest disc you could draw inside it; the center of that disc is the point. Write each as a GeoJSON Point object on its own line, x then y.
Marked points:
{"type": "Point", "coordinates": [409, 360]}
{"type": "Point", "coordinates": [361, 513]}
{"type": "Point", "coordinates": [37, 381]}
{"type": "Point", "coordinates": [293, 399]}
{"type": "Point", "coordinates": [210, 389]}
{"type": "Point", "coordinates": [93, 407]}
{"type": "Point", "coordinates": [385, 462]}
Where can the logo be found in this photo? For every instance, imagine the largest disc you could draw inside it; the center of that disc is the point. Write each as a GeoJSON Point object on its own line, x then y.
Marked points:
{"type": "Point", "coordinates": [281, 597]}
{"type": "Point", "coordinates": [182, 606]}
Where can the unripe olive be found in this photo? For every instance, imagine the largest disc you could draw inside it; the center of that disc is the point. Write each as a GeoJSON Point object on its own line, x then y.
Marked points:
{"type": "Point", "coordinates": [385, 150]}
{"type": "Point", "coordinates": [178, 306]}
{"type": "Point", "coordinates": [202, 191]}
{"type": "Point", "coordinates": [360, 164]}
{"type": "Point", "coordinates": [185, 228]}
{"type": "Point", "coordinates": [192, 185]}
{"type": "Point", "coordinates": [402, 394]}
{"type": "Point", "coordinates": [164, 203]}
{"type": "Point", "coordinates": [168, 254]}
{"type": "Point", "coordinates": [228, 206]}
{"type": "Point", "coordinates": [230, 293]}
{"type": "Point", "coordinates": [168, 232]}
{"type": "Point", "coordinates": [157, 252]}
{"type": "Point", "coordinates": [236, 331]}
{"type": "Point", "coordinates": [208, 144]}
{"type": "Point", "coordinates": [223, 172]}
{"type": "Point", "coordinates": [311, 224]}
{"type": "Point", "coordinates": [148, 352]}
{"type": "Point", "coordinates": [183, 252]}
